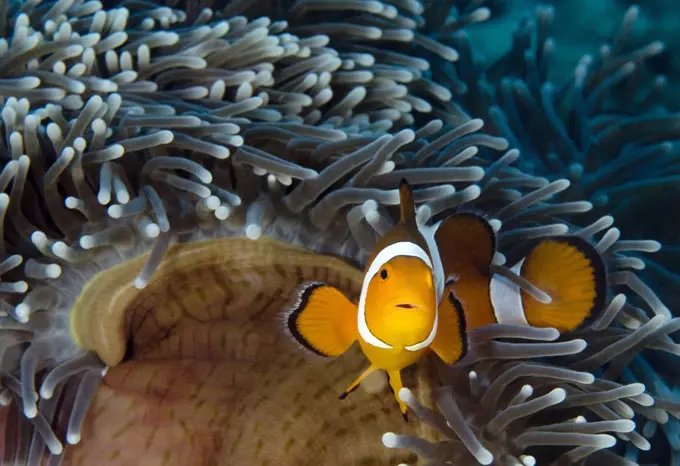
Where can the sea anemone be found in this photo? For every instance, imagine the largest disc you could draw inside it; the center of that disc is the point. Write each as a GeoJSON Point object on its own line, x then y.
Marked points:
{"type": "Point", "coordinates": [171, 175]}
{"type": "Point", "coordinates": [604, 126]}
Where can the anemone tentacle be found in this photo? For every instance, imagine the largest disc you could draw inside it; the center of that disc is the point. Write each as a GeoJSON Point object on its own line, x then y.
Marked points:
{"type": "Point", "coordinates": [137, 129]}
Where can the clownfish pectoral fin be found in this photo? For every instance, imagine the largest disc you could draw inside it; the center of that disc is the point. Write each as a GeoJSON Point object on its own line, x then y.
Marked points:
{"type": "Point", "coordinates": [466, 244]}
{"type": "Point", "coordinates": [407, 205]}
{"type": "Point", "coordinates": [323, 320]}
{"type": "Point", "coordinates": [573, 274]}
{"type": "Point", "coordinates": [450, 343]}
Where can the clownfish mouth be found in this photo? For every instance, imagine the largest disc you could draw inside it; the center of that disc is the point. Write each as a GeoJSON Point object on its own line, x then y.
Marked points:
{"type": "Point", "coordinates": [407, 306]}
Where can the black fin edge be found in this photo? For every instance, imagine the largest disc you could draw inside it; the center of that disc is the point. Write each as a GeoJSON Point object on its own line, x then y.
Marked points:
{"type": "Point", "coordinates": [462, 323]}
{"type": "Point", "coordinates": [599, 271]}
{"type": "Point", "coordinates": [304, 294]}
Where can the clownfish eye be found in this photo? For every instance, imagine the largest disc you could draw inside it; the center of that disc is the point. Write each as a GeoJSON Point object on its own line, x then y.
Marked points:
{"type": "Point", "coordinates": [383, 274]}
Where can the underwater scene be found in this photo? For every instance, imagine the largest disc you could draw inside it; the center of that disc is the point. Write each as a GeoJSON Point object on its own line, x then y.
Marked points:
{"type": "Point", "coordinates": [339, 233]}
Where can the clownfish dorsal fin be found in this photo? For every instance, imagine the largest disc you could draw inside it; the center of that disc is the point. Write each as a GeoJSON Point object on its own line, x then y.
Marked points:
{"type": "Point", "coordinates": [572, 273]}
{"type": "Point", "coordinates": [466, 244]}
{"type": "Point", "coordinates": [406, 203]}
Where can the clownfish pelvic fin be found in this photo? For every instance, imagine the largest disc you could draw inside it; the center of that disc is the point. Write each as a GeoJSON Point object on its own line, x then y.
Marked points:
{"type": "Point", "coordinates": [396, 385]}
{"type": "Point", "coordinates": [354, 385]}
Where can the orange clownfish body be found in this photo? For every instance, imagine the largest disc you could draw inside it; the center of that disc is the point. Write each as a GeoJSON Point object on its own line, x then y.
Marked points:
{"type": "Point", "coordinates": [399, 315]}
{"type": "Point", "coordinates": [564, 278]}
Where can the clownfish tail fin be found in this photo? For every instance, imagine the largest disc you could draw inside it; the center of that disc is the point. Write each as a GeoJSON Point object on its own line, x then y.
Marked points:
{"type": "Point", "coordinates": [573, 274]}
{"type": "Point", "coordinates": [322, 320]}
{"type": "Point", "coordinates": [406, 203]}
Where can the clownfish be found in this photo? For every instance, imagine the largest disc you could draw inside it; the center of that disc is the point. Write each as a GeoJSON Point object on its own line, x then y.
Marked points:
{"type": "Point", "coordinates": [563, 278]}
{"type": "Point", "coordinates": [400, 314]}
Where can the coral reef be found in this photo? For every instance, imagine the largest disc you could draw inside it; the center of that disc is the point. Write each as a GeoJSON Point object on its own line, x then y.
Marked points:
{"type": "Point", "coordinates": [134, 131]}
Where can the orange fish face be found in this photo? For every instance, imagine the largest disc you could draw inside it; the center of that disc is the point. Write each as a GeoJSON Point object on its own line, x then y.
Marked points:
{"type": "Point", "coordinates": [401, 302]}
